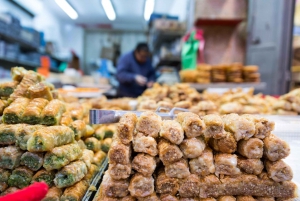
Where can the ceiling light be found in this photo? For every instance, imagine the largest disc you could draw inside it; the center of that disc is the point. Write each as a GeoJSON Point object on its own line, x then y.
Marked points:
{"type": "Point", "coordinates": [65, 6]}
{"type": "Point", "coordinates": [109, 10]}
{"type": "Point", "coordinates": [149, 7]}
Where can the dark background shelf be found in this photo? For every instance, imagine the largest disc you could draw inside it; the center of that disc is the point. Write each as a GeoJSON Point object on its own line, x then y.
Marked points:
{"type": "Point", "coordinates": [9, 63]}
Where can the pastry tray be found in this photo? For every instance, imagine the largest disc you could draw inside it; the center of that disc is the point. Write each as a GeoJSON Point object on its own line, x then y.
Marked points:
{"type": "Point", "coordinates": [90, 193]}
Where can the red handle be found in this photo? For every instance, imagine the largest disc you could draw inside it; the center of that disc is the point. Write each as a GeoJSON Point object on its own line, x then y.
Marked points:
{"type": "Point", "coordinates": [34, 192]}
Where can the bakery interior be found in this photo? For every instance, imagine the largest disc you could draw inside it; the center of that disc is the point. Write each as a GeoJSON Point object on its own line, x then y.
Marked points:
{"type": "Point", "coordinates": [148, 100]}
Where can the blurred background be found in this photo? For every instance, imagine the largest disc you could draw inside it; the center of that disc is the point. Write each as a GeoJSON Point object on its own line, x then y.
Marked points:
{"type": "Point", "coordinates": [80, 42]}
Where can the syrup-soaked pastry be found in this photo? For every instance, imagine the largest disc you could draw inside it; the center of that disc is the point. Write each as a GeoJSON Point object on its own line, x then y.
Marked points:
{"type": "Point", "coordinates": [239, 126]}
{"type": "Point", "coordinates": [125, 127]}
{"type": "Point", "coordinates": [244, 198]}
{"type": "Point", "coordinates": [152, 197]}
{"type": "Point", "coordinates": [52, 113]}
{"type": "Point", "coordinates": [47, 138]}
{"type": "Point", "coordinates": [7, 88]}
{"type": "Point", "coordinates": [4, 175]}
{"type": "Point", "coordinates": [87, 157]}
{"type": "Point", "coordinates": [25, 133]}
{"type": "Point", "coordinates": [279, 171]}
{"type": "Point", "coordinates": [119, 171]}
{"type": "Point", "coordinates": [114, 188]}
{"type": "Point", "coordinates": [33, 111]}
{"type": "Point", "coordinates": [75, 192]}
{"type": "Point", "coordinates": [171, 130]}
{"type": "Point", "coordinates": [79, 128]}
{"type": "Point", "coordinates": [192, 147]}
{"type": "Point", "coordinates": [99, 157]}
{"type": "Point", "coordinates": [145, 144]}
{"type": "Point", "coordinates": [53, 194]}
{"type": "Point", "coordinates": [264, 198]}
{"type": "Point", "coordinates": [178, 169]}
{"type": "Point", "coordinates": [17, 73]}
{"type": "Point", "coordinates": [61, 156]}
{"type": "Point", "coordinates": [144, 164]}
{"type": "Point", "coordinates": [226, 164]}
{"type": "Point", "coordinates": [149, 123]}
{"type": "Point", "coordinates": [8, 133]}
{"type": "Point", "coordinates": [168, 153]}
{"type": "Point", "coordinates": [32, 160]}
{"type": "Point", "coordinates": [14, 112]}
{"type": "Point", "coordinates": [214, 126]}
{"type": "Point", "coordinates": [250, 166]}
{"type": "Point", "coordinates": [166, 197]}
{"type": "Point", "coordinates": [20, 177]}
{"type": "Point", "coordinates": [119, 153]}
{"type": "Point", "coordinates": [226, 198]}
{"type": "Point", "coordinates": [263, 126]}
{"type": "Point", "coordinates": [41, 90]}
{"type": "Point", "coordinates": [275, 148]}
{"type": "Point", "coordinates": [191, 123]}
{"type": "Point", "coordinates": [66, 119]}
{"type": "Point", "coordinates": [190, 186]}
{"type": "Point", "coordinates": [70, 174]}
{"type": "Point", "coordinates": [252, 148]}
{"type": "Point", "coordinates": [93, 144]}
{"type": "Point", "coordinates": [165, 184]}
{"type": "Point", "coordinates": [225, 144]}
{"type": "Point", "coordinates": [10, 157]}
{"type": "Point", "coordinates": [45, 176]}
{"type": "Point", "coordinates": [141, 186]}
{"type": "Point", "coordinates": [204, 164]}
{"type": "Point", "coordinates": [91, 173]}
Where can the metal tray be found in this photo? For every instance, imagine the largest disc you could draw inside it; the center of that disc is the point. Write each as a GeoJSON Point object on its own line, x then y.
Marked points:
{"type": "Point", "coordinates": [89, 195]}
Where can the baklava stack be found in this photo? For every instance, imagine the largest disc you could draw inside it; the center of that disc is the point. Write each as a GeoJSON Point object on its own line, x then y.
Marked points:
{"type": "Point", "coordinates": [218, 73]}
{"type": "Point", "coordinates": [40, 140]}
{"type": "Point", "coordinates": [288, 104]}
{"type": "Point", "coordinates": [211, 158]}
{"type": "Point", "coordinates": [234, 73]}
{"type": "Point", "coordinates": [203, 73]}
{"type": "Point", "coordinates": [251, 74]}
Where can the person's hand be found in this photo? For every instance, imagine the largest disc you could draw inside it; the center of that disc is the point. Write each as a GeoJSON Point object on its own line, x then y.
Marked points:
{"type": "Point", "coordinates": [140, 80]}
{"type": "Point", "coordinates": [150, 84]}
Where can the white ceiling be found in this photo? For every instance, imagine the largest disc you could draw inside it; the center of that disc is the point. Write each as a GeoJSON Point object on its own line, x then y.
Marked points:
{"type": "Point", "coordinates": [130, 13]}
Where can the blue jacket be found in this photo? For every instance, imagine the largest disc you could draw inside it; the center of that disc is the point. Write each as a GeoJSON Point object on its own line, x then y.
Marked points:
{"type": "Point", "coordinates": [127, 69]}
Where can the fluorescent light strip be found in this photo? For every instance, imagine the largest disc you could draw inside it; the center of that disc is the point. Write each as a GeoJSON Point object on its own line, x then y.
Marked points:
{"type": "Point", "coordinates": [149, 7]}
{"type": "Point", "coordinates": [109, 9]}
{"type": "Point", "coordinates": [69, 10]}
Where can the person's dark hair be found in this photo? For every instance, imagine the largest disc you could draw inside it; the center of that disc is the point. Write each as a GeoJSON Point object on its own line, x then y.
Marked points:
{"type": "Point", "coordinates": [142, 47]}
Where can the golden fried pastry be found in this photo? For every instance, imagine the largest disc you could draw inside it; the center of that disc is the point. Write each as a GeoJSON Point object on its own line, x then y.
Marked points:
{"type": "Point", "coordinates": [250, 166]}
{"type": "Point", "coordinates": [226, 164]}
{"type": "Point", "coordinates": [141, 186]}
{"type": "Point", "coordinates": [171, 130]}
{"type": "Point", "coordinates": [125, 127]}
{"type": "Point", "coordinates": [168, 153]}
{"type": "Point", "coordinates": [165, 104]}
{"type": "Point", "coordinates": [191, 123]}
{"type": "Point", "coordinates": [149, 124]}
{"type": "Point", "coordinates": [119, 171]}
{"type": "Point", "coordinates": [279, 171]}
{"type": "Point", "coordinates": [144, 164]}
{"type": "Point", "coordinates": [207, 105]}
{"type": "Point", "coordinates": [165, 184]}
{"type": "Point", "coordinates": [119, 153]}
{"type": "Point", "coordinates": [145, 144]}
{"type": "Point", "coordinates": [275, 148]}
{"type": "Point", "coordinates": [263, 127]}
{"type": "Point", "coordinates": [192, 147]}
{"type": "Point", "coordinates": [204, 164]}
{"type": "Point", "coordinates": [190, 186]}
{"type": "Point", "coordinates": [152, 197]}
{"type": "Point", "coordinates": [179, 169]}
{"type": "Point", "coordinates": [114, 188]}
{"type": "Point", "coordinates": [252, 148]}
{"type": "Point", "coordinates": [183, 104]}
{"type": "Point", "coordinates": [226, 198]}
{"type": "Point", "coordinates": [244, 198]}
{"type": "Point", "coordinates": [239, 126]}
{"type": "Point", "coordinates": [226, 144]}
{"type": "Point", "coordinates": [282, 104]}
{"type": "Point", "coordinates": [214, 126]}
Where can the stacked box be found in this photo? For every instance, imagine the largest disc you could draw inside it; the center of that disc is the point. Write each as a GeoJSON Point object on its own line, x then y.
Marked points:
{"type": "Point", "coordinates": [191, 158]}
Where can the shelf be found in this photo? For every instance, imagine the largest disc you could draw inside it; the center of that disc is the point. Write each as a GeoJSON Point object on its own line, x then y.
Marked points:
{"type": "Point", "coordinates": [9, 62]}
{"type": "Point", "coordinates": [23, 44]}
{"type": "Point", "coordinates": [164, 36]}
{"type": "Point", "coordinates": [217, 22]}
{"type": "Point", "coordinates": [169, 61]}
{"type": "Point", "coordinates": [256, 86]}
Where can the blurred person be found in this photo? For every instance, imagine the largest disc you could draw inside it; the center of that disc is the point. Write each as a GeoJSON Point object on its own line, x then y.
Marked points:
{"type": "Point", "coordinates": [135, 72]}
